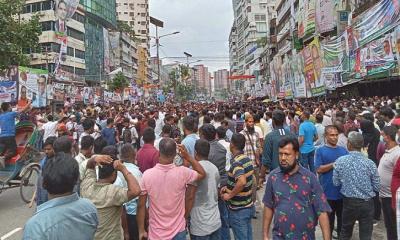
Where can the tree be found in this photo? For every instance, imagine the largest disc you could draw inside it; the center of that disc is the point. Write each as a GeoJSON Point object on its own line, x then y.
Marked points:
{"type": "Point", "coordinates": [16, 34]}
{"type": "Point", "coordinates": [125, 28]}
{"type": "Point", "coordinates": [119, 82]}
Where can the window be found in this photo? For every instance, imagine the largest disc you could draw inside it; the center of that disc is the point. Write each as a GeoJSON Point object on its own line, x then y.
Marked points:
{"type": "Point", "coordinates": [48, 26]}
{"type": "Point", "coordinates": [75, 34]}
{"type": "Point", "coordinates": [143, 14]}
{"type": "Point", "coordinates": [70, 51]}
{"type": "Point", "coordinates": [143, 23]}
{"type": "Point", "coordinates": [47, 5]}
{"type": "Point", "coordinates": [27, 8]}
{"type": "Point", "coordinates": [35, 7]}
{"type": "Point", "coordinates": [126, 4]}
{"type": "Point", "coordinates": [261, 27]}
{"type": "Point", "coordinates": [132, 23]}
{"type": "Point", "coordinates": [125, 13]}
{"type": "Point", "coordinates": [260, 17]}
{"type": "Point", "coordinates": [144, 31]}
{"type": "Point", "coordinates": [79, 54]}
{"type": "Point", "coordinates": [78, 17]}
{"type": "Point", "coordinates": [132, 14]}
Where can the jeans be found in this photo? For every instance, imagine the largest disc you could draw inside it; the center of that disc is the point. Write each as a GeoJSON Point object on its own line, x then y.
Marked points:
{"type": "Point", "coordinates": [223, 211]}
{"type": "Point", "coordinates": [307, 161]}
{"type": "Point", "coordinates": [389, 217]}
{"type": "Point", "coordinates": [240, 222]}
{"type": "Point", "coordinates": [337, 209]}
{"type": "Point", "coordinates": [377, 205]}
{"type": "Point", "coordinates": [132, 227]}
{"type": "Point", "coordinates": [213, 236]}
{"type": "Point", "coordinates": [180, 236]}
{"type": "Point", "coordinates": [357, 209]}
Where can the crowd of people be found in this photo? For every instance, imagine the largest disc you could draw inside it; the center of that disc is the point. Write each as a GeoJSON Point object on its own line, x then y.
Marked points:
{"type": "Point", "coordinates": [177, 170]}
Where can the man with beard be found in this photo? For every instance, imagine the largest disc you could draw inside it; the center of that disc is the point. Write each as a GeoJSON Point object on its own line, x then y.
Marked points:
{"type": "Point", "coordinates": [294, 198]}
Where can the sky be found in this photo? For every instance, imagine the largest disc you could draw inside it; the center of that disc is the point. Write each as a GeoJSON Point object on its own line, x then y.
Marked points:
{"type": "Point", "coordinates": [204, 27]}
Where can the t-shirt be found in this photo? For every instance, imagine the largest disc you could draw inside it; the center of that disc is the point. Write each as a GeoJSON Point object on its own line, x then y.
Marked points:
{"type": "Point", "coordinates": [204, 217]}
{"type": "Point", "coordinates": [326, 155]}
{"type": "Point", "coordinates": [385, 170]}
{"type": "Point", "coordinates": [7, 124]}
{"type": "Point", "coordinates": [108, 200]}
{"type": "Point", "coordinates": [109, 135]}
{"type": "Point", "coordinates": [308, 131]}
{"type": "Point", "coordinates": [50, 130]}
{"type": "Point", "coordinates": [165, 186]}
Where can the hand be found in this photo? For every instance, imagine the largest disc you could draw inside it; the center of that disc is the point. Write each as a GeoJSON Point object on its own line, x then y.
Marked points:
{"type": "Point", "coordinates": [183, 152]}
{"type": "Point", "coordinates": [222, 190]}
{"type": "Point", "coordinates": [119, 166]}
{"type": "Point", "coordinates": [103, 159]}
{"type": "Point", "coordinates": [143, 235]}
{"type": "Point", "coordinates": [226, 196]}
{"type": "Point", "coordinates": [261, 181]}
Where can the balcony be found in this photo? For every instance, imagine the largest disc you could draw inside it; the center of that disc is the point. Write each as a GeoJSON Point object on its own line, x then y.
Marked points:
{"type": "Point", "coordinates": [283, 10]}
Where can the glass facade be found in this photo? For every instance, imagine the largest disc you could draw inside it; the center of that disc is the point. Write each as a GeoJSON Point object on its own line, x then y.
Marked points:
{"type": "Point", "coordinates": [99, 14]}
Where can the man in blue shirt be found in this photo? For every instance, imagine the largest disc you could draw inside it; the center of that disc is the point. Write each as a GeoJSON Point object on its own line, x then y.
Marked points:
{"type": "Point", "coordinates": [189, 129]}
{"type": "Point", "coordinates": [307, 135]}
{"type": "Point", "coordinates": [65, 216]}
{"type": "Point", "coordinates": [325, 157]}
{"type": "Point", "coordinates": [8, 145]}
{"type": "Point", "coordinates": [359, 180]}
{"type": "Point", "coordinates": [41, 193]}
{"type": "Point", "coordinates": [109, 133]}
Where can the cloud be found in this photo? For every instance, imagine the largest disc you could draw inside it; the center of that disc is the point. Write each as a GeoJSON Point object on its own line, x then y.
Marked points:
{"type": "Point", "coordinates": [204, 27]}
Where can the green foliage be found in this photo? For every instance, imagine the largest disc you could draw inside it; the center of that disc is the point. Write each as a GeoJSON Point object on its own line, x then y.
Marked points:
{"type": "Point", "coordinates": [16, 34]}
{"type": "Point", "coordinates": [124, 27]}
{"type": "Point", "coordinates": [119, 82]}
{"type": "Point", "coordinates": [261, 42]}
{"type": "Point", "coordinates": [182, 91]}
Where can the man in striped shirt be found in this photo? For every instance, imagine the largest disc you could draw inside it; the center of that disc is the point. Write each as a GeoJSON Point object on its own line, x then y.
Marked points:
{"type": "Point", "coordinates": [238, 192]}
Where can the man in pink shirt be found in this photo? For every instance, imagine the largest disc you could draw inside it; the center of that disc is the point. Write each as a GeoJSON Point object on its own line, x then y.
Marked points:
{"type": "Point", "coordinates": [165, 186]}
{"type": "Point", "coordinates": [147, 156]}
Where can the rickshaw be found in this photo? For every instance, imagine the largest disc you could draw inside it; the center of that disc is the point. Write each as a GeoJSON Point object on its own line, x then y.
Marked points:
{"type": "Point", "coordinates": [23, 169]}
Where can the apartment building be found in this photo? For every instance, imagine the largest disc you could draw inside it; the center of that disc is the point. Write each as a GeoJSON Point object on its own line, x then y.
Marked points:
{"type": "Point", "coordinates": [221, 80]}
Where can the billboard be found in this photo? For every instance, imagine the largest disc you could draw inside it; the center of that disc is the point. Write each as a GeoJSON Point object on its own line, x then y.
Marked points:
{"type": "Point", "coordinates": [32, 86]}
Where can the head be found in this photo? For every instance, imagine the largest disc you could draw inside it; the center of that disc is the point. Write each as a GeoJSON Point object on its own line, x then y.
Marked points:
{"type": "Point", "coordinates": [305, 116]}
{"type": "Point", "coordinates": [355, 141]}
{"type": "Point", "coordinates": [128, 153]}
{"type": "Point", "coordinates": [166, 131]}
{"type": "Point", "coordinates": [62, 10]}
{"type": "Point", "coordinates": [221, 132]}
{"type": "Point", "coordinates": [202, 149]}
{"type": "Point", "coordinates": [88, 125]}
{"type": "Point", "coordinates": [110, 122]}
{"type": "Point", "coordinates": [99, 144]}
{"type": "Point", "coordinates": [42, 84]}
{"type": "Point", "coordinates": [389, 135]}
{"type": "Point", "coordinates": [319, 118]}
{"type": "Point", "coordinates": [278, 118]}
{"type": "Point", "coordinates": [148, 136]}
{"type": "Point", "coordinates": [386, 47]}
{"type": "Point", "coordinates": [60, 175]}
{"type": "Point", "coordinates": [87, 143]}
{"type": "Point", "coordinates": [107, 173]}
{"type": "Point", "coordinates": [62, 129]}
{"type": "Point", "coordinates": [208, 132]}
{"type": "Point", "coordinates": [331, 135]}
{"type": "Point", "coordinates": [48, 147]}
{"type": "Point", "coordinates": [167, 151]}
{"type": "Point", "coordinates": [63, 144]}
{"type": "Point", "coordinates": [249, 122]}
{"type": "Point", "coordinates": [125, 123]}
{"type": "Point", "coordinates": [23, 93]}
{"type": "Point", "coordinates": [238, 143]}
{"type": "Point", "coordinates": [288, 154]}
{"type": "Point", "coordinates": [151, 123]}
{"type": "Point", "coordinates": [5, 107]}
{"type": "Point", "coordinates": [386, 113]}
{"type": "Point", "coordinates": [189, 125]}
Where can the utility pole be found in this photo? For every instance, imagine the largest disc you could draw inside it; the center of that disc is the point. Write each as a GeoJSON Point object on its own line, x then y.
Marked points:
{"type": "Point", "coordinates": [158, 55]}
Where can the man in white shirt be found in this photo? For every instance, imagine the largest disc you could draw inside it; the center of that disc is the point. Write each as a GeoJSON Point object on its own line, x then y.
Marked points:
{"type": "Point", "coordinates": [49, 128]}
{"type": "Point", "coordinates": [86, 152]}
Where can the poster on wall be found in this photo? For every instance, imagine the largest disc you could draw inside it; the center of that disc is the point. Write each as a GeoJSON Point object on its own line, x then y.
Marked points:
{"type": "Point", "coordinates": [306, 18]}
{"type": "Point", "coordinates": [396, 46]}
{"type": "Point", "coordinates": [297, 67]}
{"type": "Point", "coordinates": [317, 86]}
{"type": "Point", "coordinates": [32, 86]}
{"type": "Point", "coordinates": [88, 95]}
{"type": "Point", "coordinates": [8, 91]}
{"type": "Point", "coordinates": [325, 16]}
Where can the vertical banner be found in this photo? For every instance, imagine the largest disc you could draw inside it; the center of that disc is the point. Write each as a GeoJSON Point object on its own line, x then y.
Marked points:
{"type": "Point", "coordinates": [306, 18]}
{"type": "Point", "coordinates": [106, 59]}
{"type": "Point", "coordinates": [88, 95]}
{"type": "Point", "coordinates": [325, 16]}
{"type": "Point", "coordinates": [8, 85]}
{"type": "Point", "coordinates": [318, 88]}
{"type": "Point", "coordinates": [63, 10]}
{"type": "Point", "coordinates": [396, 46]}
{"type": "Point", "coordinates": [297, 66]}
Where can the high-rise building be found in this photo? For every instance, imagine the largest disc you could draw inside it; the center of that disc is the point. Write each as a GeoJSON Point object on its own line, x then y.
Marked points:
{"type": "Point", "coordinates": [136, 14]}
{"type": "Point", "coordinates": [46, 57]}
{"type": "Point", "coordinates": [221, 80]}
{"type": "Point", "coordinates": [202, 78]}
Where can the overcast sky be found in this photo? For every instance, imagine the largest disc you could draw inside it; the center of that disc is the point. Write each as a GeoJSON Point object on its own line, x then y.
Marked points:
{"type": "Point", "coordinates": [204, 27]}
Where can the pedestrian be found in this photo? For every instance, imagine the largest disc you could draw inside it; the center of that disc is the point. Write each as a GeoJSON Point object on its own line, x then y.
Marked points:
{"type": "Point", "coordinates": [385, 169]}
{"type": "Point", "coordinates": [107, 197]}
{"type": "Point", "coordinates": [358, 179]}
{"type": "Point", "coordinates": [307, 136]}
{"type": "Point", "coordinates": [109, 133]}
{"type": "Point", "coordinates": [41, 193]}
{"type": "Point", "coordinates": [164, 187]}
{"type": "Point", "coordinates": [86, 152]}
{"type": "Point", "coordinates": [205, 221]}
{"type": "Point", "coordinates": [239, 190]}
{"type": "Point", "coordinates": [189, 129]}
{"type": "Point", "coordinates": [325, 157]}
{"type": "Point", "coordinates": [65, 216]}
{"type": "Point", "coordinates": [294, 198]}
{"type": "Point", "coordinates": [148, 155]}
{"type": "Point", "coordinates": [128, 157]}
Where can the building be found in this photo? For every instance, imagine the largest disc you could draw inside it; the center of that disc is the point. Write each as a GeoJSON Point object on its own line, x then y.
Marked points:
{"type": "Point", "coordinates": [164, 74]}
{"type": "Point", "coordinates": [100, 17]}
{"type": "Point", "coordinates": [248, 29]}
{"type": "Point", "coordinates": [142, 74]}
{"type": "Point", "coordinates": [221, 80]}
{"type": "Point", "coordinates": [46, 57]}
{"type": "Point", "coordinates": [123, 54]}
{"type": "Point", "coordinates": [202, 79]}
{"type": "Point", "coordinates": [136, 14]}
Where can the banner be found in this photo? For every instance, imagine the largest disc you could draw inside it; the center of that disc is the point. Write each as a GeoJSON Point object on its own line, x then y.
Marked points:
{"type": "Point", "coordinates": [78, 94]}
{"type": "Point", "coordinates": [306, 18]}
{"type": "Point", "coordinates": [325, 16]}
{"type": "Point", "coordinates": [288, 78]}
{"type": "Point", "coordinates": [396, 46]}
{"type": "Point", "coordinates": [88, 97]}
{"type": "Point", "coordinates": [106, 51]}
{"type": "Point", "coordinates": [58, 92]}
{"type": "Point", "coordinates": [297, 68]}
{"type": "Point", "coordinates": [32, 86]}
{"type": "Point", "coordinates": [8, 91]}
{"type": "Point", "coordinates": [64, 10]}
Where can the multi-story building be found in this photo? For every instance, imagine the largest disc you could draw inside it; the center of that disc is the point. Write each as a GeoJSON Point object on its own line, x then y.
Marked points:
{"type": "Point", "coordinates": [46, 56]}
{"type": "Point", "coordinates": [124, 54]}
{"type": "Point", "coordinates": [142, 74]}
{"type": "Point", "coordinates": [164, 74]}
{"type": "Point", "coordinates": [221, 80]}
{"type": "Point", "coordinates": [136, 14]}
{"type": "Point", "coordinates": [202, 78]}
{"type": "Point", "coordinates": [249, 28]}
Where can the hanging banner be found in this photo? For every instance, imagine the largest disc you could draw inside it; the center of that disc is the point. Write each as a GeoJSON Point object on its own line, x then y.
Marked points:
{"type": "Point", "coordinates": [58, 92]}
{"type": "Point", "coordinates": [319, 86]}
{"type": "Point", "coordinates": [306, 18]}
{"type": "Point", "coordinates": [8, 91]}
{"type": "Point", "coordinates": [325, 16]}
{"type": "Point", "coordinates": [288, 78]}
{"type": "Point", "coordinates": [88, 95]}
{"type": "Point", "coordinates": [396, 46]}
{"type": "Point", "coordinates": [297, 67]}
{"type": "Point", "coordinates": [78, 94]}
{"type": "Point", "coordinates": [32, 86]}
{"type": "Point", "coordinates": [98, 93]}
{"type": "Point", "coordinates": [108, 96]}
{"type": "Point", "coordinates": [273, 81]}
{"type": "Point", "coordinates": [106, 59]}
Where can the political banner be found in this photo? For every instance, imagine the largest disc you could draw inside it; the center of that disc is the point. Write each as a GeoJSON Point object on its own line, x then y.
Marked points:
{"type": "Point", "coordinates": [288, 78]}
{"type": "Point", "coordinates": [319, 86]}
{"type": "Point", "coordinates": [88, 96]}
{"type": "Point", "coordinates": [108, 97]}
{"type": "Point", "coordinates": [10, 74]}
{"type": "Point", "coordinates": [325, 16]}
{"type": "Point", "coordinates": [106, 60]}
{"type": "Point", "coordinates": [58, 92]}
{"type": "Point", "coordinates": [306, 18]}
{"type": "Point", "coordinates": [98, 95]}
{"type": "Point", "coordinates": [297, 68]}
{"type": "Point", "coordinates": [396, 46]}
{"type": "Point", "coordinates": [8, 91]}
{"type": "Point", "coordinates": [32, 86]}
{"type": "Point", "coordinates": [78, 94]}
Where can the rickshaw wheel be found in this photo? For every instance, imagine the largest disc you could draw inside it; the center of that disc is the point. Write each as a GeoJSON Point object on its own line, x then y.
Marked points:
{"type": "Point", "coordinates": [28, 184]}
